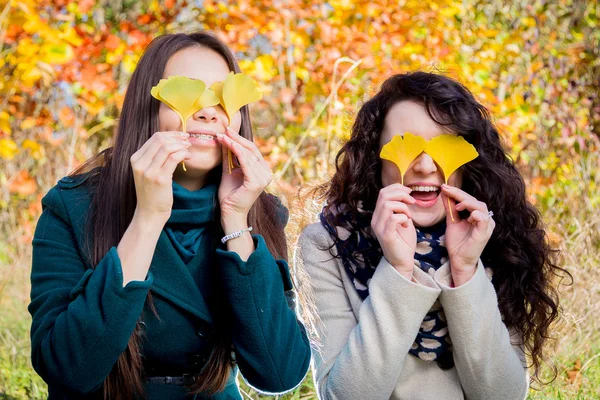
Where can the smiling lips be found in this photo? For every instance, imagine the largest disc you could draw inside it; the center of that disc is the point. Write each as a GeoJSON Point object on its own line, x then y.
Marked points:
{"type": "Point", "coordinates": [426, 195]}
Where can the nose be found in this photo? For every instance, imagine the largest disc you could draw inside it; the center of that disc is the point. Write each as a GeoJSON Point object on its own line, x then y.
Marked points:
{"type": "Point", "coordinates": [424, 165]}
{"type": "Point", "coordinates": [207, 114]}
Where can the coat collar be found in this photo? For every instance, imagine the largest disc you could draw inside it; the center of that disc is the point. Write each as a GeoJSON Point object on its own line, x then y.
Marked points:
{"type": "Point", "coordinates": [174, 282]}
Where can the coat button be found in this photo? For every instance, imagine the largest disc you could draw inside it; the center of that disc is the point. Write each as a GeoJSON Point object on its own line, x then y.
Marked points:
{"type": "Point", "coordinates": [202, 332]}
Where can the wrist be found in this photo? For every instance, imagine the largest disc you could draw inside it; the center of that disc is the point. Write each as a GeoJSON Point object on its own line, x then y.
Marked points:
{"type": "Point", "coordinates": [149, 223]}
{"type": "Point", "coordinates": [405, 270]}
{"type": "Point", "coordinates": [462, 274]}
{"type": "Point", "coordinates": [234, 222]}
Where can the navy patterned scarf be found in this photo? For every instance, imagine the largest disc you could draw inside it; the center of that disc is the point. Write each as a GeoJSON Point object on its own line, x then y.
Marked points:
{"type": "Point", "coordinates": [360, 253]}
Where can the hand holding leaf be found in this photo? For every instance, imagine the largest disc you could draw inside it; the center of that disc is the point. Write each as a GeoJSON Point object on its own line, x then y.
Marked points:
{"type": "Point", "coordinates": [234, 92]}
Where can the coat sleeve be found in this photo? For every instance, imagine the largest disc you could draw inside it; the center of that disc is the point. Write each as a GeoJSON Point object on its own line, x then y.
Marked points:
{"type": "Point", "coordinates": [362, 358]}
{"type": "Point", "coordinates": [271, 345]}
{"type": "Point", "coordinates": [82, 318]}
{"type": "Point", "coordinates": [489, 365]}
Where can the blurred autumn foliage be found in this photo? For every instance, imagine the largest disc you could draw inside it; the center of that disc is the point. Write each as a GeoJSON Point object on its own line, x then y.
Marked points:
{"type": "Point", "coordinates": [66, 66]}
{"type": "Point", "coordinates": [535, 63]}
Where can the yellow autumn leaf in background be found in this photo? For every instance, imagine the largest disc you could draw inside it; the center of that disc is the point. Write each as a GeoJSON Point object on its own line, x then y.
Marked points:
{"type": "Point", "coordinates": [35, 149]}
{"type": "Point", "coordinates": [403, 150]}
{"type": "Point", "coordinates": [5, 122]}
{"type": "Point", "coordinates": [450, 152]}
{"type": "Point", "coordinates": [8, 149]}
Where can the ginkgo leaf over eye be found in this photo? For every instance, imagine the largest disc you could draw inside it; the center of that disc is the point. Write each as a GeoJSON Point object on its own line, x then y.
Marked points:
{"type": "Point", "coordinates": [450, 152]}
{"type": "Point", "coordinates": [181, 94]}
{"type": "Point", "coordinates": [403, 150]}
{"type": "Point", "coordinates": [236, 91]}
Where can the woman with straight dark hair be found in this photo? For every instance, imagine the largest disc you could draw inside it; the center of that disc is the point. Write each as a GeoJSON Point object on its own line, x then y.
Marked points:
{"type": "Point", "coordinates": [146, 280]}
{"type": "Point", "coordinates": [427, 290]}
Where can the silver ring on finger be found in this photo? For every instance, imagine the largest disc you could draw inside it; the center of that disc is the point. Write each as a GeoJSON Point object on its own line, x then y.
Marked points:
{"type": "Point", "coordinates": [490, 214]}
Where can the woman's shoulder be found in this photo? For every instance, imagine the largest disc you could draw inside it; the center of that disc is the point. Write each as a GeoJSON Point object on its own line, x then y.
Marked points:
{"type": "Point", "coordinates": [70, 193]}
{"type": "Point", "coordinates": [315, 234]}
{"type": "Point", "coordinates": [315, 242]}
{"type": "Point", "coordinates": [74, 181]}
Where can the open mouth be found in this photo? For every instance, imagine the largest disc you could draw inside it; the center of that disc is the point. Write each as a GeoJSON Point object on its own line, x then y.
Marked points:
{"type": "Point", "coordinates": [425, 195]}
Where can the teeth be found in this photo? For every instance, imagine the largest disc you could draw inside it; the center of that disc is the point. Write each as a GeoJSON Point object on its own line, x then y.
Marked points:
{"type": "Point", "coordinates": [424, 188]}
{"type": "Point", "coordinates": [202, 136]}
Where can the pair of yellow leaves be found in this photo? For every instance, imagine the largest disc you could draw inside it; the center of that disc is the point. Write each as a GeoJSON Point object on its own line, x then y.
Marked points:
{"type": "Point", "coordinates": [187, 96]}
{"type": "Point", "coordinates": [450, 152]}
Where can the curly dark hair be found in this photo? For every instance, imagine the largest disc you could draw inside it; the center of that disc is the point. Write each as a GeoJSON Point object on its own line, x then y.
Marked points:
{"type": "Point", "coordinates": [523, 262]}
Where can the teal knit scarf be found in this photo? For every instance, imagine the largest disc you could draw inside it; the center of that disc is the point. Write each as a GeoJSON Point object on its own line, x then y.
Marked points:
{"type": "Point", "coordinates": [192, 215]}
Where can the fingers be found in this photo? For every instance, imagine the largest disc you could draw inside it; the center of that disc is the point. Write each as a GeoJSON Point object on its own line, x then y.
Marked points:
{"type": "Point", "coordinates": [392, 223]}
{"type": "Point", "coordinates": [394, 193]}
{"type": "Point", "coordinates": [452, 216]}
{"type": "Point", "coordinates": [165, 153]}
{"type": "Point", "coordinates": [248, 144]}
{"type": "Point", "coordinates": [393, 207]}
{"type": "Point", "coordinates": [173, 159]}
{"type": "Point", "coordinates": [150, 159]}
{"type": "Point", "coordinates": [456, 193]}
{"type": "Point", "coordinates": [152, 145]}
{"type": "Point", "coordinates": [484, 225]}
{"type": "Point", "coordinates": [243, 155]}
{"type": "Point", "coordinates": [257, 174]}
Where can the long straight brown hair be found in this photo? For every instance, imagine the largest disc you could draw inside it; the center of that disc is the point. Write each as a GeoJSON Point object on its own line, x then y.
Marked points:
{"type": "Point", "coordinates": [110, 216]}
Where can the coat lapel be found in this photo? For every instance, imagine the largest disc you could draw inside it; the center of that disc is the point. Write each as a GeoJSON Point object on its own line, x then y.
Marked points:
{"type": "Point", "coordinates": [173, 281]}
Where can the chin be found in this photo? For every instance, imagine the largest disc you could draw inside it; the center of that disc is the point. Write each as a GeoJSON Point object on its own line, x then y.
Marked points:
{"type": "Point", "coordinates": [424, 220]}
{"type": "Point", "coordinates": [202, 166]}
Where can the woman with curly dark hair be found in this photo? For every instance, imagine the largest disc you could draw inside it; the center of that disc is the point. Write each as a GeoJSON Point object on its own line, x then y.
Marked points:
{"type": "Point", "coordinates": [422, 291]}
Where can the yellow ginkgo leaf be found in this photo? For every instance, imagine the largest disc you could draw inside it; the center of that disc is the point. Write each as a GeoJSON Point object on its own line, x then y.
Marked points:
{"type": "Point", "coordinates": [237, 91]}
{"type": "Point", "coordinates": [450, 152]}
{"type": "Point", "coordinates": [403, 150]}
{"type": "Point", "coordinates": [217, 89]}
{"type": "Point", "coordinates": [181, 94]}
{"type": "Point", "coordinates": [207, 99]}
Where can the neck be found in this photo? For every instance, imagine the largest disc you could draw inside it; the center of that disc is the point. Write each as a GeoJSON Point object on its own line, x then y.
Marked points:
{"type": "Point", "coordinates": [191, 181]}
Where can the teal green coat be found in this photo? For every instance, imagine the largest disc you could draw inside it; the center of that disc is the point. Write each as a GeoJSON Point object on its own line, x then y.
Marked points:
{"type": "Point", "coordinates": [83, 316]}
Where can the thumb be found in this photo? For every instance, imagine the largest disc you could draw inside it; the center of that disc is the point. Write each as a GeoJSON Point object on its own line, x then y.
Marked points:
{"type": "Point", "coordinates": [452, 216]}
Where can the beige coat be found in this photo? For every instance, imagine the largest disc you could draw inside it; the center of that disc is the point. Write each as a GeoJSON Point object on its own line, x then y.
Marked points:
{"type": "Point", "coordinates": [364, 347]}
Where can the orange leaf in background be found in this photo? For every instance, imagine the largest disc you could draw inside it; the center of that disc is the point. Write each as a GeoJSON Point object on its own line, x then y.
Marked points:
{"type": "Point", "coordinates": [23, 184]}
{"type": "Point", "coordinates": [84, 6]}
{"type": "Point", "coordinates": [169, 4]}
{"type": "Point", "coordinates": [66, 117]}
{"type": "Point", "coordinates": [575, 373]}
{"type": "Point", "coordinates": [112, 42]}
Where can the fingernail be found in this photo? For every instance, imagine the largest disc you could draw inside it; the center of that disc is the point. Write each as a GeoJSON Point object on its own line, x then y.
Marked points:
{"type": "Point", "coordinates": [185, 134]}
{"type": "Point", "coordinates": [219, 136]}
